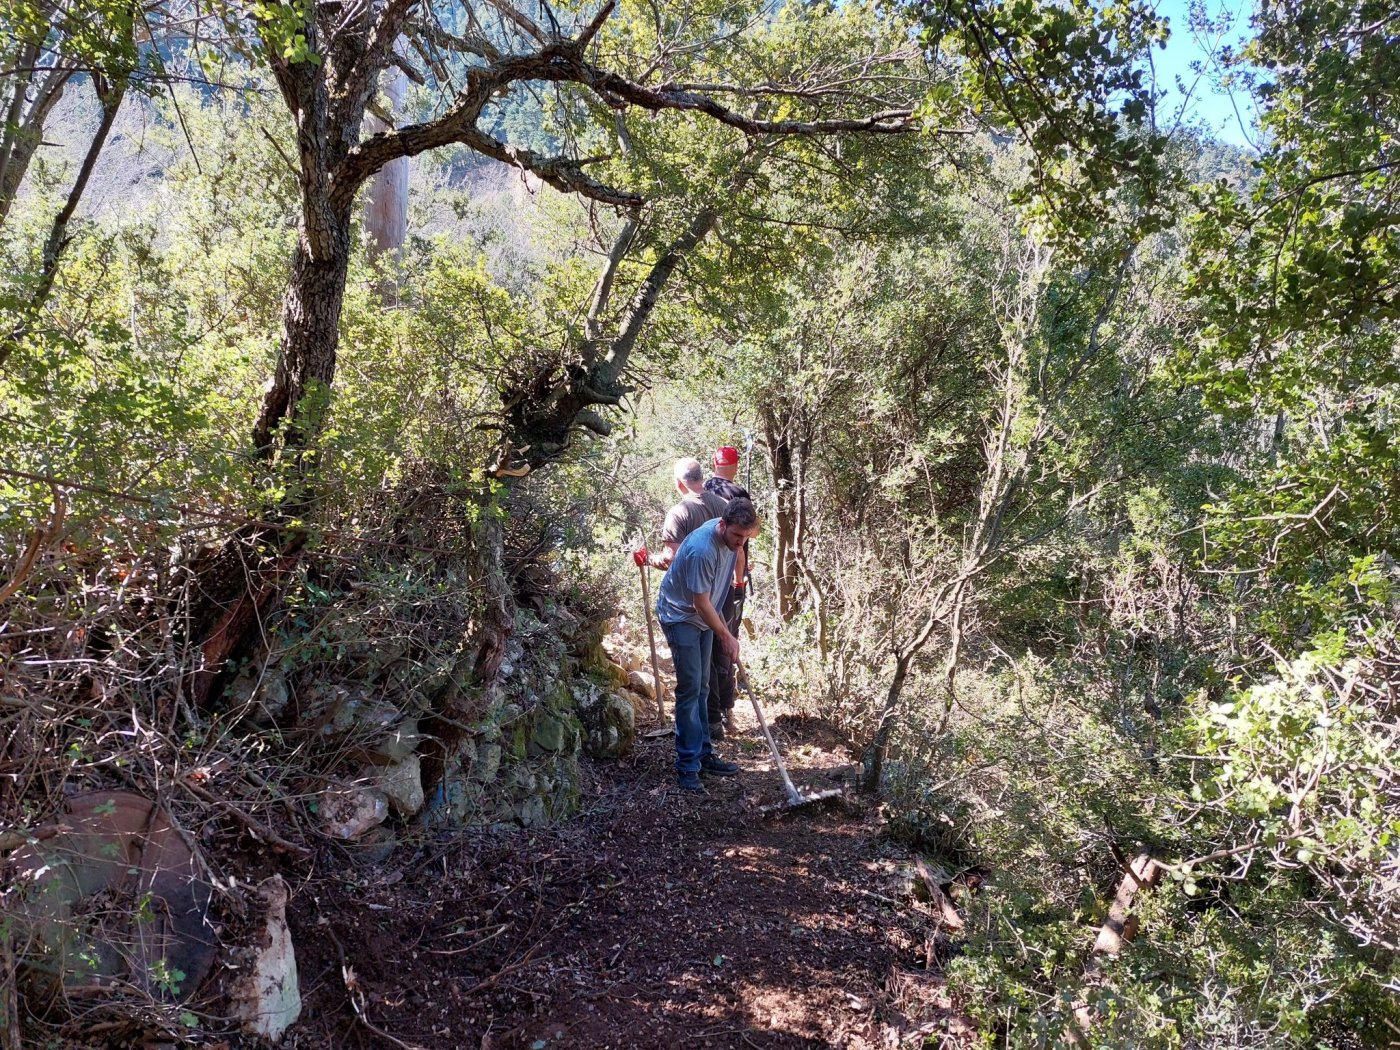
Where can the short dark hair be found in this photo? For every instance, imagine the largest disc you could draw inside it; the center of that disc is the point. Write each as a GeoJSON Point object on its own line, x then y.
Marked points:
{"type": "Point", "coordinates": [740, 513]}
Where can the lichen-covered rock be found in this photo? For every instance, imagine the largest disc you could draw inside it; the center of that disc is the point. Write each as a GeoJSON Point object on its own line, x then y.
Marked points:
{"type": "Point", "coordinates": [609, 722]}
{"type": "Point", "coordinates": [640, 704]}
{"type": "Point", "coordinates": [487, 764]}
{"type": "Point", "coordinates": [623, 653]}
{"type": "Point", "coordinates": [551, 733]}
{"type": "Point", "coordinates": [375, 848]}
{"type": "Point", "coordinates": [350, 812]}
{"type": "Point", "coordinates": [459, 801]}
{"type": "Point", "coordinates": [261, 691]}
{"type": "Point", "coordinates": [513, 659]}
{"type": "Point", "coordinates": [531, 812]}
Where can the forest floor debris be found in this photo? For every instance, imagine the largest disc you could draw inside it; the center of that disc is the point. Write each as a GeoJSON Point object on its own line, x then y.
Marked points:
{"type": "Point", "coordinates": [653, 920]}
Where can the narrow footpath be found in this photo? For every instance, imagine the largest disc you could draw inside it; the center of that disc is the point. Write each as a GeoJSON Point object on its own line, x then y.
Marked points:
{"type": "Point", "coordinates": [653, 920]}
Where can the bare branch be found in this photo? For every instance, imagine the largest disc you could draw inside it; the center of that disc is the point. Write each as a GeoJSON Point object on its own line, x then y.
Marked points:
{"type": "Point", "coordinates": [420, 33]}
{"type": "Point", "coordinates": [522, 20]}
{"type": "Point", "coordinates": [617, 91]}
{"type": "Point", "coordinates": [591, 30]}
{"type": "Point", "coordinates": [563, 173]}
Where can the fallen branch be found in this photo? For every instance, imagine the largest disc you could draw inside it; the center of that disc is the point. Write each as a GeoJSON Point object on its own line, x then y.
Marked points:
{"type": "Point", "coordinates": [352, 988]}
{"type": "Point", "coordinates": [259, 830]}
{"type": "Point", "coordinates": [9, 998]}
{"type": "Point", "coordinates": [946, 909]}
{"type": "Point", "coordinates": [1122, 926]}
{"type": "Point", "coordinates": [40, 541]}
{"type": "Point", "coordinates": [1143, 873]}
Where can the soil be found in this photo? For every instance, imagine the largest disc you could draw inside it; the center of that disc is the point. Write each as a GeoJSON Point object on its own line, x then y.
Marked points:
{"type": "Point", "coordinates": [655, 919]}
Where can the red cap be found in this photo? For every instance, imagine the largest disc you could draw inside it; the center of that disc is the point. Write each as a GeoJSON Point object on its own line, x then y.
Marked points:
{"type": "Point", "coordinates": [726, 456]}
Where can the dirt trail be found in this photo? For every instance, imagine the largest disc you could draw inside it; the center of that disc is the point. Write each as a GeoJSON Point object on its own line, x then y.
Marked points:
{"type": "Point", "coordinates": [655, 920]}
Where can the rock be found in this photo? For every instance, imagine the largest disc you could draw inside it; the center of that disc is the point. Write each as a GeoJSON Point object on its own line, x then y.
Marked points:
{"type": "Point", "coordinates": [640, 704]}
{"type": "Point", "coordinates": [351, 812]}
{"type": "Point", "coordinates": [463, 802]}
{"type": "Point", "coordinates": [272, 695]}
{"type": "Point", "coordinates": [401, 742]}
{"type": "Point", "coordinates": [514, 654]}
{"type": "Point", "coordinates": [531, 812]}
{"type": "Point", "coordinates": [375, 848]}
{"type": "Point", "coordinates": [402, 784]}
{"type": "Point", "coordinates": [589, 649]}
{"type": "Point", "coordinates": [608, 719]}
{"type": "Point", "coordinates": [622, 653]}
{"type": "Point", "coordinates": [388, 650]}
{"type": "Point", "coordinates": [262, 691]}
{"type": "Point", "coordinates": [551, 733]}
{"type": "Point", "coordinates": [641, 682]}
{"type": "Point", "coordinates": [268, 998]}
{"type": "Point", "coordinates": [488, 763]}
{"type": "Point", "coordinates": [375, 713]}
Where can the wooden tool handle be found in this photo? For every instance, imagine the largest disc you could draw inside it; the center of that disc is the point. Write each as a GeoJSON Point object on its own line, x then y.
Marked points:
{"type": "Point", "coordinates": [794, 796]}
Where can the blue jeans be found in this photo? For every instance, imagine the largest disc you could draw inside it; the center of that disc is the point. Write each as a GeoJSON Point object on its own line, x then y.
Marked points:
{"type": "Point", "coordinates": [690, 652]}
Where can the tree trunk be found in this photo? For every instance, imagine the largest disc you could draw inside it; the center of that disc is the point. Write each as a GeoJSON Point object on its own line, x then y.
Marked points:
{"type": "Point", "coordinates": [9, 993]}
{"type": "Point", "coordinates": [812, 581]}
{"type": "Point", "coordinates": [28, 111]}
{"type": "Point", "coordinates": [235, 590]}
{"type": "Point", "coordinates": [111, 99]}
{"type": "Point", "coordinates": [290, 421]}
{"type": "Point", "coordinates": [784, 516]}
{"type": "Point", "coordinates": [386, 205]}
{"type": "Point", "coordinates": [111, 96]}
{"type": "Point", "coordinates": [873, 761]}
{"type": "Point", "coordinates": [13, 128]}
{"type": "Point", "coordinates": [295, 405]}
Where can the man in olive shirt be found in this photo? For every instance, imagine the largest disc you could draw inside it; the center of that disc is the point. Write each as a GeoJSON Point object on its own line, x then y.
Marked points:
{"type": "Point", "coordinates": [695, 508]}
{"type": "Point", "coordinates": [692, 591]}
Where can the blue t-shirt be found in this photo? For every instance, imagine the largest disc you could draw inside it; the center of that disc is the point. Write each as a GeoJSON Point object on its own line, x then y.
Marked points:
{"type": "Point", "coordinates": [702, 564]}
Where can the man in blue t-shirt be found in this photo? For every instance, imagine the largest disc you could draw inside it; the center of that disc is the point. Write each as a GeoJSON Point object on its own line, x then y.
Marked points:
{"type": "Point", "coordinates": [688, 604]}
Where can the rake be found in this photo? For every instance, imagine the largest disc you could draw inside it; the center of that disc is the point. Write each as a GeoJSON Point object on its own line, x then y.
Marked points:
{"type": "Point", "coordinates": [795, 799]}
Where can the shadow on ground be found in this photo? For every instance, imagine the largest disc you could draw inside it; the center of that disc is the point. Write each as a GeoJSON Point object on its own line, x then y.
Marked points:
{"type": "Point", "coordinates": [656, 920]}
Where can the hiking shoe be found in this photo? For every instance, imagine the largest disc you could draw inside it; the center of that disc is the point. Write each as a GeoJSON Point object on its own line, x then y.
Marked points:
{"type": "Point", "coordinates": [716, 730]}
{"type": "Point", "coordinates": [718, 767]}
{"type": "Point", "coordinates": [690, 782]}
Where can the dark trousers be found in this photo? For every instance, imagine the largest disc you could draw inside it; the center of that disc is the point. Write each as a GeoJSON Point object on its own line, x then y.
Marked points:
{"type": "Point", "coordinates": [690, 652]}
{"type": "Point", "coordinates": [721, 667]}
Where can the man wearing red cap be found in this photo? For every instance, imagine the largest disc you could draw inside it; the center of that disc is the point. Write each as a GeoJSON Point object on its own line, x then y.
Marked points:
{"type": "Point", "coordinates": [721, 700]}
